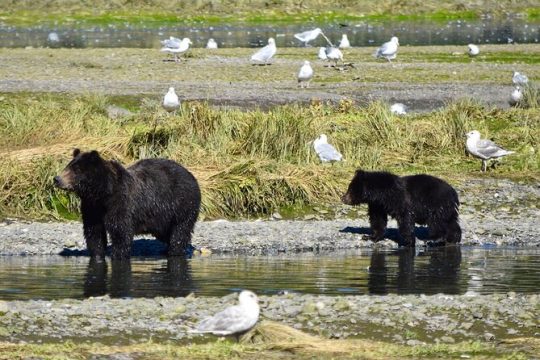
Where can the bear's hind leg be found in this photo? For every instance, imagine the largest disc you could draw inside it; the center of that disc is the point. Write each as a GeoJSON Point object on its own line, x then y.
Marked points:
{"type": "Point", "coordinates": [180, 238]}
{"type": "Point", "coordinates": [406, 230]}
{"type": "Point", "coordinates": [377, 221]}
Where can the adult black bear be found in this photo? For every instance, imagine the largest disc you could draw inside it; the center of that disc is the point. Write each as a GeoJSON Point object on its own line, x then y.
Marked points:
{"type": "Point", "coordinates": [153, 196]}
{"type": "Point", "coordinates": [421, 199]}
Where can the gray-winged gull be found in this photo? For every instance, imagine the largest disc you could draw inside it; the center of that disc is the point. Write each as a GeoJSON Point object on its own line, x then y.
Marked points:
{"type": "Point", "coordinates": [388, 50]}
{"type": "Point", "coordinates": [334, 54]}
{"type": "Point", "coordinates": [175, 46]}
{"type": "Point", "coordinates": [484, 149]}
{"type": "Point", "coordinates": [211, 44]}
{"type": "Point", "coordinates": [170, 101]}
{"type": "Point", "coordinates": [326, 152]}
{"type": "Point", "coordinates": [305, 74]}
{"type": "Point", "coordinates": [519, 79]}
{"type": "Point", "coordinates": [473, 50]}
{"type": "Point", "coordinates": [308, 36]}
{"type": "Point", "coordinates": [264, 54]}
{"type": "Point", "coordinates": [234, 320]}
{"type": "Point", "coordinates": [344, 43]}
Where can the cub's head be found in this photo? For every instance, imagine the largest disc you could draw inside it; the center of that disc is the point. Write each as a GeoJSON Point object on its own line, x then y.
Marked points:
{"type": "Point", "coordinates": [355, 193]}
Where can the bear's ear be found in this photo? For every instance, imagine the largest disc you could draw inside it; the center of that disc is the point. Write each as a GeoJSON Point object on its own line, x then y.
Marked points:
{"type": "Point", "coordinates": [76, 152]}
{"type": "Point", "coordinates": [360, 172]}
{"type": "Point", "coordinates": [94, 155]}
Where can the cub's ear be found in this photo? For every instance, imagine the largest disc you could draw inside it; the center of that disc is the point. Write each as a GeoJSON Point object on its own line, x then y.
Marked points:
{"type": "Point", "coordinates": [94, 155]}
{"type": "Point", "coordinates": [76, 152]}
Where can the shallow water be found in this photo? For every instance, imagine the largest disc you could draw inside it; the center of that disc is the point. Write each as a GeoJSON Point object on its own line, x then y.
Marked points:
{"type": "Point", "coordinates": [439, 270]}
{"type": "Point", "coordinates": [364, 33]}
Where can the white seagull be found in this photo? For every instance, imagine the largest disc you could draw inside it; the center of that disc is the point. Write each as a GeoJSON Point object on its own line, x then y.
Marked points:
{"type": "Point", "coordinates": [211, 44]}
{"type": "Point", "coordinates": [473, 50]}
{"type": "Point", "coordinates": [334, 54]}
{"type": "Point", "coordinates": [234, 320]}
{"type": "Point", "coordinates": [398, 109]}
{"type": "Point", "coordinates": [170, 101]}
{"type": "Point", "coordinates": [344, 43]}
{"type": "Point", "coordinates": [175, 46]}
{"type": "Point", "coordinates": [308, 36]}
{"type": "Point", "coordinates": [388, 50]}
{"type": "Point", "coordinates": [484, 149]}
{"type": "Point", "coordinates": [322, 54]}
{"type": "Point", "coordinates": [516, 96]}
{"type": "Point", "coordinates": [326, 152]}
{"type": "Point", "coordinates": [266, 53]}
{"type": "Point", "coordinates": [520, 79]}
{"type": "Point", "coordinates": [305, 74]}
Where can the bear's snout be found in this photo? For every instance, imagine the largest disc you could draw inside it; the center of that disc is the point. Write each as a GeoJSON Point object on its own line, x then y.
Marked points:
{"type": "Point", "coordinates": [60, 181]}
{"type": "Point", "coordinates": [346, 199]}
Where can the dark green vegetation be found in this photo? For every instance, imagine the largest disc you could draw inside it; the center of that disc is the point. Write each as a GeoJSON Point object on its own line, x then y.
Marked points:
{"type": "Point", "coordinates": [248, 162]}
{"type": "Point", "coordinates": [161, 12]}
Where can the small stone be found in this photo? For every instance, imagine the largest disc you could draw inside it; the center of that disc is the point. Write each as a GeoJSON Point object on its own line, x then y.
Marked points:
{"type": "Point", "coordinates": [489, 336]}
{"type": "Point", "coordinates": [448, 339]}
{"type": "Point", "coordinates": [466, 325]}
{"type": "Point", "coordinates": [277, 216]}
{"type": "Point", "coordinates": [341, 305]}
{"type": "Point", "coordinates": [309, 308]}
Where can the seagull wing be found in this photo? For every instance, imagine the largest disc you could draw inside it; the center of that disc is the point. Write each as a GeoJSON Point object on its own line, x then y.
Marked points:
{"type": "Point", "coordinates": [388, 48]}
{"type": "Point", "coordinates": [229, 321]}
{"type": "Point", "coordinates": [489, 149]}
{"type": "Point", "coordinates": [327, 152]}
{"type": "Point", "coordinates": [172, 43]}
{"type": "Point", "coordinates": [264, 54]}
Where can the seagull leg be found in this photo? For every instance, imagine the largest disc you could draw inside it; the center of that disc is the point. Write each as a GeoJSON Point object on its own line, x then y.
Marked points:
{"type": "Point", "coordinates": [484, 165]}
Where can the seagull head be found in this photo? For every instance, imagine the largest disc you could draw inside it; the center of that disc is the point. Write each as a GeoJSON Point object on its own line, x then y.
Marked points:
{"type": "Point", "coordinates": [323, 139]}
{"type": "Point", "coordinates": [306, 63]}
{"type": "Point", "coordinates": [317, 31]}
{"type": "Point", "coordinates": [187, 40]}
{"type": "Point", "coordinates": [395, 40]}
{"type": "Point", "coordinates": [271, 41]}
{"type": "Point", "coordinates": [247, 297]}
{"type": "Point", "coordinates": [475, 135]}
{"type": "Point", "coordinates": [171, 90]}
{"type": "Point", "coordinates": [344, 36]}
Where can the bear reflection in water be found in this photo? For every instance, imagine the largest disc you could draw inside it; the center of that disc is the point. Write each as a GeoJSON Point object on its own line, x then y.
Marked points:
{"type": "Point", "coordinates": [440, 274]}
{"type": "Point", "coordinates": [173, 280]}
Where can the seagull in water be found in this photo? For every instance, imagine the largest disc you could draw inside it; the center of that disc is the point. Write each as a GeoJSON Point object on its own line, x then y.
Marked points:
{"type": "Point", "coordinates": [211, 44]}
{"type": "Point", "coordinates": [266, 53]}
{"type": "Point", "coordinates": [520, 79]}
{"type": "Point", "coordinates": [484, 149]}
{"type": "Point", "coordinates": [308, 36]}
{"type": "Point", "coordinates": [170, 101]}
{"type": "Point", "coordinates": [326, 152]}
{"type": "Point", "coordinates": [516, 96]}
{"type": "Point", "coordinates": [398, 109]}
{"type": "Point", "coordinates": [344, 43]}
{"type": "Point", "coordinates": [234, 320]}
{"type": "Point", "coordinates": [305, 74]}
{"type": "Point", "coordinates": [473, 50]}
{"type": "Point", "coordinates": [175, 46]}
{"type": "Point", "coordinates": [388, 50]}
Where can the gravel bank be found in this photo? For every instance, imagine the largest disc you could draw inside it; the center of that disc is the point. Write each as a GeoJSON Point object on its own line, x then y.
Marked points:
{"type": "Point", "coordinates": [498, 212]}
{"type": "Point", "coordinates": [407, 319]}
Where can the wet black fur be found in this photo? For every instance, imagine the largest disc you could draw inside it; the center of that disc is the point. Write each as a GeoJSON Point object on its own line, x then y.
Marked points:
{"type": "Point", "coordinates": [421, 199]}
{"type": "Point", "coordinates": [153, 196]}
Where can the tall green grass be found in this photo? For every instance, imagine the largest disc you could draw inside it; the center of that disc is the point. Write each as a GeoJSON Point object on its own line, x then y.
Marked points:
{"type": "Point", "coordinates": [249, 162]}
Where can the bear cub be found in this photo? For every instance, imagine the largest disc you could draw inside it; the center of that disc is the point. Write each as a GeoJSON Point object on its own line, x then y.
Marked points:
{"type": "Point", "coordinates": [152, 196]}
{"type": "Point", "coordinates": [420, 199]}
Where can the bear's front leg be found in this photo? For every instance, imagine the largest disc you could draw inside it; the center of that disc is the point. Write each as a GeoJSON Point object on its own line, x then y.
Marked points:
{"type": "Point", "coordinates": [121, 239]}
{"type": "Point", "coordinates": [94, 234]}
{"type": "Point", "coordinates": [377, 221]}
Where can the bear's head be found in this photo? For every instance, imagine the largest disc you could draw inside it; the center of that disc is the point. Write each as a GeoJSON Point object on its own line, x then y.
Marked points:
{"type": "Point", "coordinates": [355, 193]}
{"type": "Point", "coordinates": [85, 175]}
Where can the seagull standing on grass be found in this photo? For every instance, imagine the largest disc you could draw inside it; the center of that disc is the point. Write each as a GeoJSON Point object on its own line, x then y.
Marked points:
{"type": "Point", "coordinates": [388, 50]}
{"type": "Point", "coordinates": [520, 79]}
{"type": "Point", "coordinates": [322, 54]}
{"type": "Point", "coordinates": [473, 50]}
{"type": "Point", "coordinates": [334, 54]}
{"type": "Point", "coordinates": [234, 320]}
{"type": "Point", "coordinates": [398, 109]}
{"type": "Point", "coordinates": [305, 74]}
{"type": "Point", "coordinates": [326, 152]}
{"type": "Point", "coordinates": [211, 44]}
{"type": "Point", "coordinates": [344, 43]}
{"type": "Point", "coordinates": [175, 46]}
{"type": "Point", "coordinates": [516, 96]}
{"type": "Point", "coordinates": [484, 149]}
{"type": "Point", "coordinates": [170, 101]}
{"type": "Point", "coordinates": [266, 53]}
{"type": "Point", "coordinates": [308, 36]}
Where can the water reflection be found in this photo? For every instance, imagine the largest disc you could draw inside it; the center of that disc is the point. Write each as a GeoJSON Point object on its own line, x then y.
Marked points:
{"type": "Point", "coordinates": [450, 270]}
{"type": "Point", "coordinates": [362, 33]}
